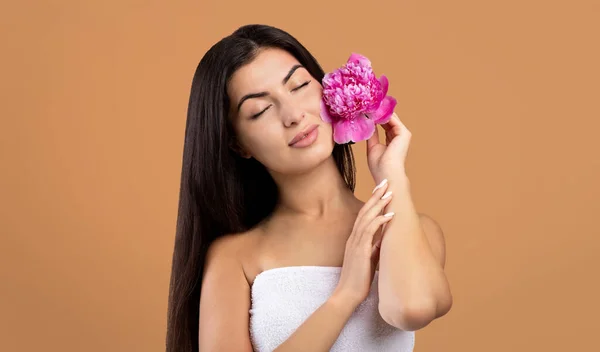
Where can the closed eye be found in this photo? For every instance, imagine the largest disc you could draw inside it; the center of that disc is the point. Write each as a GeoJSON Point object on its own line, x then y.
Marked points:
{"type": "Point", "coordinates": [267, 108]}
{"type": "Point", "coordinates": [295, 89]}
{"type": "Point", "coordinates": [302, 85]}
{"type": "Point", "coordinates": [260, 113]}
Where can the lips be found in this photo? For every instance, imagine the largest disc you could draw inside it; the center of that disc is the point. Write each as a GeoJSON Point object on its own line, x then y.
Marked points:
{"type": "Point", "coordinates": [303, 134]}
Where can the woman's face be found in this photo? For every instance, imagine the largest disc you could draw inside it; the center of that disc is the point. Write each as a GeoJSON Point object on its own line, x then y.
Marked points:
{"type": "Point", "coordinates": [274, 98]}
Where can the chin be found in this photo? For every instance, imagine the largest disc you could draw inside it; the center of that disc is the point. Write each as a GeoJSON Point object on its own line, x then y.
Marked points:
{"type": "Point", "coordinates": [302, 160]}
{"type": "Point", "coordinates": [311, 158]}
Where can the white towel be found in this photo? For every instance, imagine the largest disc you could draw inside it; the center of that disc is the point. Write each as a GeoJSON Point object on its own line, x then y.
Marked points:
{"type": "Point", "coordinates": [283, 298]}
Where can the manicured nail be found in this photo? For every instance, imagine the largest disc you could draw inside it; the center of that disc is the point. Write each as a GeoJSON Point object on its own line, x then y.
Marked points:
{"type": "Point", "coordinates": [389, 214]}
{"type": "Point", "coordinates": [387, 195]}
{"type": "Point", "coordinates": [380, 185]}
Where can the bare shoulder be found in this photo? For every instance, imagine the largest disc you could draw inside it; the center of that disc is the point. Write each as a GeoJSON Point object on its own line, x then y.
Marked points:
{"type": "Point", "coordinates": [435, 236]}
{"type": "Point", "coordinates": [225, 246]}
{"type": "Point", "coordinates": [225, 297]}
{"type": "Point", "coordinates": [235, 249]}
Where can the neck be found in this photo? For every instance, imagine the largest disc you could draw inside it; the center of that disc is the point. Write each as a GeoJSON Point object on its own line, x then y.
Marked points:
{"type": "Point", "coordinates": [314, 195]}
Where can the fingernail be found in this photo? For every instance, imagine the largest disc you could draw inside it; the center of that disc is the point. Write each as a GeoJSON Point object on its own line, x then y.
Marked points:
{"type": "Point", "coordinates": [389, 214]}
{"type": "Point", "coordinates": [380, 185]}
{"type": "Point", "coordinates": [387, 195]}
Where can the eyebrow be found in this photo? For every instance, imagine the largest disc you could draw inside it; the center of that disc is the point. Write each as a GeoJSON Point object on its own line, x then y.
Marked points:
{"type": "Point", "coordinates": [263, 94]}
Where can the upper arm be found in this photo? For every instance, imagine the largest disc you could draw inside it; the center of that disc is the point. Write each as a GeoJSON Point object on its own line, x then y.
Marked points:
{"type": "Point", "coordinates": [224, 300]}
{"type": "Point", "coordinates": [435, 237]}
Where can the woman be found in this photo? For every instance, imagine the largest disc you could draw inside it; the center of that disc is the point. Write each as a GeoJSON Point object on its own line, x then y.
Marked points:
{"type": "Point", "coordinates": [273, 251]}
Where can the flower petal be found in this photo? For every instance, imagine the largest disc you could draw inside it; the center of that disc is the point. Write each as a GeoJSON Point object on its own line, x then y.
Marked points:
{"type": "Point", "coordinates": [326, 81]}
{"type": "Point", "coordinates": [355, 130]}
{"type": "Point", "coordinates": [362, 60]}
{"type": "Point", "coordinates": [325, 112]}
{"type": "Point", "coordinates": [385, 110]}
{"type": "Point", "coordinates": [384, 84]}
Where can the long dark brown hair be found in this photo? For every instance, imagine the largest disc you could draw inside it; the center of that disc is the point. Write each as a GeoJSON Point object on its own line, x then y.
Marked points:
{"type": "Point", "coordinates": [220, 191]}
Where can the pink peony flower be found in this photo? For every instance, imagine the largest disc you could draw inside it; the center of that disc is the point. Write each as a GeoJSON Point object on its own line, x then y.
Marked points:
{"type": "Point", "coordinates": [354, 100]}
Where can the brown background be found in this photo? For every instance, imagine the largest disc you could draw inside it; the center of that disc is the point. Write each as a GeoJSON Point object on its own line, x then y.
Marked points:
{"type": "Point", "coordinates": [502, 98]}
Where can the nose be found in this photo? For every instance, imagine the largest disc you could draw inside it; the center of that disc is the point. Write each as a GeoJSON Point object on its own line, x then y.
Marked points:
{"type": "Point", "coordinates": [293, 115]}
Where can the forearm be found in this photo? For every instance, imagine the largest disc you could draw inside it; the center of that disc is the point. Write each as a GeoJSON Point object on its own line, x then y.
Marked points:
{"type": "Point", "coordinates": [413, 289]}
{"type": "Point", "coordinates": [322, 328]}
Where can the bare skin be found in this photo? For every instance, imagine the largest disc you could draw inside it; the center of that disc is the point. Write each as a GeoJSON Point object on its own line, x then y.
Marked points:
{"type": "Point", "coordinates": [287, 240]}
{"type": "Point", "coordinates": [235, 260]}
{"type": "Point", "coordinates": [318, 221]}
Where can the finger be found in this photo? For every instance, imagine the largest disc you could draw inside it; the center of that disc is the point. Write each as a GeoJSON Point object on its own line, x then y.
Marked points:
{"type": "Point", "coordinates": [375, 255]}
{"type": "Point", "coordinates": [378, 237]}
{"type": "Point", "coordinates": [403, 129]}
{"type": "Point", "coordinates": [371, 214]}
{"type": "Point", "coordinates": [359, 223]}
{"type": "Point", "coordinates": [392, 123]}
{"type": "Point", "coordinates": [373, 140]}
{"type": "Point", "coordinates": [371, 229]}
{"type": "Point", "coordinates": [377, 193]}
{"type": "Point", "coordinates": [375, 210]}
{"type": "Point", "coordinates": [381, 184]}
{"type": "Point", "coordinates": [375, 249]}
{"type": "Point", "coordinates": [377, 241]}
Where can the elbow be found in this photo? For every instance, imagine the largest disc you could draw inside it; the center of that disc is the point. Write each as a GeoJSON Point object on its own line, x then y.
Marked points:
{"type": "Point", "coordinates": [410, 318]}
{"type": "Point", "coordinates": [413, 317]}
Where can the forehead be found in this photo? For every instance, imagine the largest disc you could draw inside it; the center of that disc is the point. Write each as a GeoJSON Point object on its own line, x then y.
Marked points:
{"type": "Point", "coordinates": [268, 68]}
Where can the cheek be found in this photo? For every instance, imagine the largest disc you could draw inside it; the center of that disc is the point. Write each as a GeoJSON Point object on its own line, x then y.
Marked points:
{"type": "Point", "coordinates": [265, 140]}
{"type": "Point", "coordinates": [314, 100]}
{"type": "Point", "coordinates": [328, 133]}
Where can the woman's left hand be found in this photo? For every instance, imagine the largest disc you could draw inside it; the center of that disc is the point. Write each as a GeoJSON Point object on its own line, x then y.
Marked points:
{"type": "Point", "coordinates": [388, 160]}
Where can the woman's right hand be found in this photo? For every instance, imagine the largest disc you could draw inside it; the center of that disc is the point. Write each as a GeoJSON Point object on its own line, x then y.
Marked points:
{"type": "Point", "coordinates": [362, 254]}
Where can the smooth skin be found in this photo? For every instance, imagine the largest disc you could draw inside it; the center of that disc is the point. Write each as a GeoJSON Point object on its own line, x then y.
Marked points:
{"type": "Point", "coordinates": [331, 227]}
{"type": "Point", "coordinates": [225, 296]}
